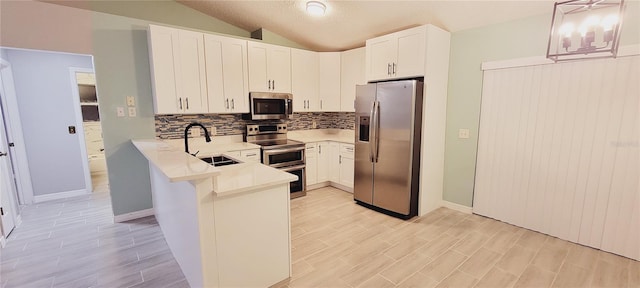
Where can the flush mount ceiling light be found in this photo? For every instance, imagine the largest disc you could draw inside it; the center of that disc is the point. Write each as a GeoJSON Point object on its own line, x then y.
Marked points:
{"type": "Point", "coordinates": [583, 29]}
{"type": "Point", "coordinates": [316, 8]}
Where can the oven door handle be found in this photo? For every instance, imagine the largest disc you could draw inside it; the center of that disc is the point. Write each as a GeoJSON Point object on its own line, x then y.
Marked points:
{"type": "Point", "coordinates": [292, 168]}
{"type": "Point", "coordinates": [284, 150]}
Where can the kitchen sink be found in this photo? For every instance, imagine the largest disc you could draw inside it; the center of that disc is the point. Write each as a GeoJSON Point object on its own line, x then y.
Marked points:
{"type": "Point", "coordinates": [219, 160]}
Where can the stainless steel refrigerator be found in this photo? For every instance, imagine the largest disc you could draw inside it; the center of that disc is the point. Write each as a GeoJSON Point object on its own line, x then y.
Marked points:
{"type": "Point", "coordinates": [387, 146]}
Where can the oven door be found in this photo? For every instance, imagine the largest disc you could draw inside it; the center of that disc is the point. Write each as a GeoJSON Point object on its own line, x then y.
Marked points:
{"type": "Point", "coordinates": [297, 188]}
{"type": "Point", "coordinates": [283, 157]}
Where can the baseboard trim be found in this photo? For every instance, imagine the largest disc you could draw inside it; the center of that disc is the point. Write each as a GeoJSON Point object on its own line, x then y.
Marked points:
{"type": "Point", "coordinates": [318, 185]}
{"type": "Point", "coordinates": [59, 195]}
{"type": "Point", "coordinates": [457, 207]}
{"type": "Point", "coordinates": [133, 215]}
{"type": "Point", "coordinates": [342, 187]}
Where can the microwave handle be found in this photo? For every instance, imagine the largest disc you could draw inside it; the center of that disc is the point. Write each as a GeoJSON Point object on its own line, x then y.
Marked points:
{"type": "Point", "coordinates": [288, 106]}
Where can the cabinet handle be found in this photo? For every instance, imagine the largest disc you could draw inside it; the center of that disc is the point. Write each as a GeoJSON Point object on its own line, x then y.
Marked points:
{"type": "Point", "coordinates": [252, 154]}
{"type": "Point", "coordinates": [320, 104]}
{"type": "Point", "coordinates": [180, 102]}
{"type": "Point", "coordinates": [388, 68]}
{"type": "Point", "coordinates": [340, 159]}
{"type": "Point", "coordinates": [394, 68]}
{"type": "Point", "coordinates": [274, 84]}
{"type": "Point", "coordinates": [269, 84]}
{"type": "Point", "coordinates": [319, 149]}
{"type": "Point", "coordinates": [227, 104]}
{"type": "Point", "coordinates": [233, 105]}
{"type": "Point", "coordinates": [187, 100]}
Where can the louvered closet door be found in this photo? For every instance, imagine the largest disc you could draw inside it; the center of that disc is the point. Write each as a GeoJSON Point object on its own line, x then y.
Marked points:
{"type": "Point", "coordinates": [558, 151]}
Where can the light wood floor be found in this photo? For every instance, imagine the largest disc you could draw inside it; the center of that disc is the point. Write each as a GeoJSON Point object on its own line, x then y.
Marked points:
{"type": "Point", "coordinates": [336, 243]}
{"type": "Point", "coordinates": [73, 242]}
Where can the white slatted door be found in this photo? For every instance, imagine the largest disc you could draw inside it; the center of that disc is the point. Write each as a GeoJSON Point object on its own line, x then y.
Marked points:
{"type": "Point", "coordinates": [558, 151]}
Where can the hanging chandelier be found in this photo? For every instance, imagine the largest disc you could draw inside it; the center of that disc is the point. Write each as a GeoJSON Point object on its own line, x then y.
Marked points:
{"type": "Point", "coordinates": [583, 29]}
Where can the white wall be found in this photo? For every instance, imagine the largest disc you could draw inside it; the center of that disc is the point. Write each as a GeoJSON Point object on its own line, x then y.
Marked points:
{"type": "Point", "coordinates": [43, 89]}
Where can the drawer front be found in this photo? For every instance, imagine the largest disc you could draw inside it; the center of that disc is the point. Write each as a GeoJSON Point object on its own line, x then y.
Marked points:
{"type": "Point", "coordinates": [346, 150]}
{"type": "Point", "coordinates": [311, 149]}
{"type": "Point", "coordinates": [253, 154]}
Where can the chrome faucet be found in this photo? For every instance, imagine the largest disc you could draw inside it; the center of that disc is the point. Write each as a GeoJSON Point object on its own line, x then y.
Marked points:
{"type": "Point", "coordinates": [186, 136]}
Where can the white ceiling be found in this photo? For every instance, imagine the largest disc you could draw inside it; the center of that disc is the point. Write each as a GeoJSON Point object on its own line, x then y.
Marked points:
{"type": "Point", "coordinates": [347, 24]}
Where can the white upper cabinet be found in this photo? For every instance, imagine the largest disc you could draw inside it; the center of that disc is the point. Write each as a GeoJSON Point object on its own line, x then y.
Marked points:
{"type": "Point", "coordinates": [227, 74]}
{"type": "Point", "coordinates": [304, 80]}
{"type": "Point", "coordinates": [397, 55]}
{"type": "Point", "coordinates": [178, 72]}
{"type": "Point", "coordinates": [352, 73]}
{"type": "Point", "coordinates": [329, 81]}
{"type": "Point", "coordinates": [269, 68]}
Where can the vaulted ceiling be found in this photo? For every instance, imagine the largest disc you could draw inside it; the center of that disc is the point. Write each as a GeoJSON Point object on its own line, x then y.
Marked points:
{"type": "Point", "coordinates": [347, 24]}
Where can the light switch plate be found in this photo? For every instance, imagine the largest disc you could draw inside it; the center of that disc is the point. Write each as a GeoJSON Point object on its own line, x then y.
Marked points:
{"type": "Point", "coordinates": [132, 111]}
{"type": "Point", "coordinates": [213, 131]}
{"type": "Point", "coordinates": [463, 133]}
{"type": "Point", "coordinates": [131, 101]}
{"type": "Point", "coordinates": [120, 111]}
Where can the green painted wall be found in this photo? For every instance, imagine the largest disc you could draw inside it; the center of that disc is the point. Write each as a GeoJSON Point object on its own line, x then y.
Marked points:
{"type": "Point", "coordinates": [469, 48]}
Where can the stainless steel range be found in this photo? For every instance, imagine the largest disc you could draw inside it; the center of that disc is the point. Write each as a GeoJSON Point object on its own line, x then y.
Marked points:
{"type": "Point", "coordinates": [280, 152]}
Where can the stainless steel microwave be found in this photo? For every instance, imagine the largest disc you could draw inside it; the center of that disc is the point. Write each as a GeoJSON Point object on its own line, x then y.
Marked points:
{"type": "Point", "coordinates": [265, 106]}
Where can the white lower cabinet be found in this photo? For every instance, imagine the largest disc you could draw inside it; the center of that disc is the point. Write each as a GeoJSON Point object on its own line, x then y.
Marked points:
{"type": "Point", "coordinates": [329, 161]}
{"type": "Point", "coordinates": [334, 162]}
{"type": "Point", "coordinates": [324, 161]}
{"type": "Point", "coordinates": [346, 165]}
{"type": "Point", "coordinates": [252, 155]}
{"type": "Point", "coordinates": [311, 160]}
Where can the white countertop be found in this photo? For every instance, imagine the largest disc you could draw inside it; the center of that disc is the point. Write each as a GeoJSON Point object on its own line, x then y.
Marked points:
{"type": "Point", "coordinates": [248, 176]}
{"type": "Point", "coordinates": [318, 135]}
{"type": "Point", "coordinates": [218, 145]}
{"type": "Point", "coordinates": [173, 162]}
{"type": "Point", "coordinates": [180, 166]}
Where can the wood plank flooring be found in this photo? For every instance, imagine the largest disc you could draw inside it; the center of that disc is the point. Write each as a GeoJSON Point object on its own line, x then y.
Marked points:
{"type": "Point", "coordinates": [335, 243]}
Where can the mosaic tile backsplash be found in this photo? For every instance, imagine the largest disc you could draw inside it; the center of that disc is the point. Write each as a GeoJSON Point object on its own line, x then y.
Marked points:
{"type": "Point", "coordinates": [172, 126]}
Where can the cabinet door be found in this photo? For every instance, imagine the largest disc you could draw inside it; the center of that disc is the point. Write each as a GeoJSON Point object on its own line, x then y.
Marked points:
{"type": "Point", "coordinates": [381, 53]}
{"type": "Point", "coordinates": [334, 164]}
{"type": "Point", "coordinates": [311, 162]}
{"type": "Point", "coordinates": [346, 165]}
{"type": "Point", "coordinates": [324, 161]}
{"type": "Point", "coordinates": [352, 73]}
{"type": "Point", "coordinates": [257, 57]}
{"type": "Point", "coordinates": [215, 79]}
{"type": "Point", "coordinates": [304, 80]}
{"type": "Point", "coordinates": [279, 68]}
{"type": "Point", "coordinates": [191, 76]}
{"type": "Point", "coordinates": [234, 64]}
{"type": "Point", "coordinates": [163, 74]}
{"type": "Point", "coordinates": [411, 53]}
{"type": "Point", "coordinates": [329, 81]}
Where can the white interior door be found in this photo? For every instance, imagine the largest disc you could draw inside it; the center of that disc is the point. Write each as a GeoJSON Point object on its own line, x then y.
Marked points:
{"type": "Point", "coordinates": [558, 151]}
{"type": "Point", "coordinates": [7, 182]}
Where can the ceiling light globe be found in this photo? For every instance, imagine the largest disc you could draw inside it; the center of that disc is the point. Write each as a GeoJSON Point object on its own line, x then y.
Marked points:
{"type": "Point", "coordinates": [316, 8]}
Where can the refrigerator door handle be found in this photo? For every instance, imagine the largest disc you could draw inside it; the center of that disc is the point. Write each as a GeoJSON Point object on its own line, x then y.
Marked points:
{"type": "Point", "coordinates": [372, 131]}
{"type": "Point", "coordinates": [376, 131]}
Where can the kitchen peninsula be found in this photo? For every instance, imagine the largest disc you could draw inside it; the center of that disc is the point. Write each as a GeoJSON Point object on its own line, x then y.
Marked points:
{"type": "Point", "coordinates": [221, 223]}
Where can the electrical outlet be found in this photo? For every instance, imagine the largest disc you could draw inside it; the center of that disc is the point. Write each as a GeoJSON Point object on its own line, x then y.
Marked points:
{"type": "Point", "coordinates": [213, 131]}
{"type": "Point", "coordinates": [195, 132]}
{"type": "Point", "coordinates": [463, 133]}
{"type": "Point", "coordinates": [120, 111]}
{"type": "Point", "coordinates": [131, 101]}
{"type": "Point", "coordinates": [132, 111]}
{"type": "Point", "coordinates": [314, 125]}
